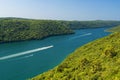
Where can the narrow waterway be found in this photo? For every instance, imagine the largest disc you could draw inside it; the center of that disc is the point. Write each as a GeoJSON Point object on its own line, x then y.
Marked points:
{"type": "Point", "coordinates": [21, 60]}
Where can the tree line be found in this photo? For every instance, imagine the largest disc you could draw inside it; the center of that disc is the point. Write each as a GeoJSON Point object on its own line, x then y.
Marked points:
{"type": "Point", "coordinates": [19, 29]}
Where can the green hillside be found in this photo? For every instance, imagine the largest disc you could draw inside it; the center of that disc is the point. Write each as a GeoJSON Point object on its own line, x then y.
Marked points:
{"type": "Point", "coordinates": [28, 29]}
{"type": "Point", "coordinates": [97, 60]}
{"type": "Point", "coordinates": [20, 29]}
{"type": "Point", "coordinates": [92, 24]}
{"type": "Point", "coordinates": [115, 29]}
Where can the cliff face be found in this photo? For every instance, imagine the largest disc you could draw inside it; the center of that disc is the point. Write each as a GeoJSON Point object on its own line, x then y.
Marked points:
{"type": "Point", "coordinates": [97, 60]}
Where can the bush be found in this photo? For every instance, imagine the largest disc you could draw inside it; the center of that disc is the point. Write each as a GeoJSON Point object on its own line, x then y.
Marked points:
{"type": "Point", "coordinates": [110, 51]}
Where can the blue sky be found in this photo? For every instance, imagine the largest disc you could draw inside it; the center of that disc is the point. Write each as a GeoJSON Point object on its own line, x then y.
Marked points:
{"type": "Point", "coordinates": [61, 9]}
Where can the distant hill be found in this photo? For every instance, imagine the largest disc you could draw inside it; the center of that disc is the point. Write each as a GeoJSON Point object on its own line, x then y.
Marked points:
{"type": "Point", "coordinates": [92, 24]}
{"type": "Point", "coordinates": [97, 60]}
{"type": "Point", "coordinates": [115, 29]}
{"type": "Point", "coordinates": [20, 29]}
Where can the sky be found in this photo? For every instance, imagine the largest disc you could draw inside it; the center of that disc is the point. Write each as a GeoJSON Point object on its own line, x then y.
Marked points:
{"type": "Point", "coordinates": [61, 9]}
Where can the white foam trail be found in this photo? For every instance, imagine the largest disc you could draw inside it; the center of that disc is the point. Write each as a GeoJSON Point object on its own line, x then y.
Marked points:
{"type": "Point", "coordinates": [87, 34]}
{"type": "Point", "coordinates": [22, 57]}
{"type": "Point", "coordinates": [27, 56]}
{"type": "Point", "coordinates": [26, 52]}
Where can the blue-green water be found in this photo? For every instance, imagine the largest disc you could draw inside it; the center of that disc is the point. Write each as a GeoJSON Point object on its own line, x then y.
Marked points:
{"type": "Point", "coordinates": [29, 65]}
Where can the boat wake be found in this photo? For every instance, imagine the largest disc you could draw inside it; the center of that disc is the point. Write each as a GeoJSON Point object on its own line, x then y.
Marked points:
{"type": "Point", "coordinates": [24, 53]}
{"type": "Point", "coordinates": [87, 34]}
{"type": "Point", "coordinates": [26, 56]}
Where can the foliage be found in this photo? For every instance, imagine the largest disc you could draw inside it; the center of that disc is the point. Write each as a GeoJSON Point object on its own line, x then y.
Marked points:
{"type": "Point", "coordinates": [97, 60]}
{"type": "Point", "coordinates": [115, 29]}
{"type": "Point", "coordinates": [19, 29]}
{"type": "Point", "coordinates": [24, 29]}
{"type": "Point", "coordinates": [92, 24]}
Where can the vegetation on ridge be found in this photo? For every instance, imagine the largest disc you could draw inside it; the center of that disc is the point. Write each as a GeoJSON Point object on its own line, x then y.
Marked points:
{"type": "Point", "coordinates": [19, 29]}
{"type": "Point", "coordinates": [97, 60]}
{"type": "Point", "coordinates": [92, 24]}
{"type": "Point", "coordinates": [115, 29]}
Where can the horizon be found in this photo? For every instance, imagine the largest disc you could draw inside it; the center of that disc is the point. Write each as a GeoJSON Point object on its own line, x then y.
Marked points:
{"type": "Point", "coordinates": [51, 19]}
{"type": "Point", "coordinates": [69, 10]}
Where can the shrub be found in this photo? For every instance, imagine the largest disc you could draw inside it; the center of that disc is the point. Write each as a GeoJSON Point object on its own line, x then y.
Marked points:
{"type": "Point", "coordinates": [110, 51]}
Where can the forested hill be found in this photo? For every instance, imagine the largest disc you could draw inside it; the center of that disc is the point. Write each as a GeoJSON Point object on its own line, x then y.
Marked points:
{"type": "Point", "coordinates": [92, 24]}
{"type": "Point", "coordinates": [26, 29]}
{"type": "Point", "coordinates": [19, 29]}
{"type": "Point", "coordinates": [97, 60]}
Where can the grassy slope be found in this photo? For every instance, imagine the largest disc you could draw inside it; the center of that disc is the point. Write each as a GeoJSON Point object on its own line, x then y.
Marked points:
{"type": "Point", "coordinates": [97, 60]}
{"type": "Point", "coordinates": [115, 29]}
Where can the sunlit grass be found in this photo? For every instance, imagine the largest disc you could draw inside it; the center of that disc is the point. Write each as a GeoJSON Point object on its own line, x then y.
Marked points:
{"type": "Point", "coordinates": [97, 60]}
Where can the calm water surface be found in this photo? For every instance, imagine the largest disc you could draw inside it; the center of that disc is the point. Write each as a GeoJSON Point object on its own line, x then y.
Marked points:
{"type": "Point", "coordinates": [28, 65]}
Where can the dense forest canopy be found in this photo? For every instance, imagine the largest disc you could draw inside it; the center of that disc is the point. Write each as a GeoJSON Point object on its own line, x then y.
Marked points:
{"type": "Point", "coordinates": [97, 60]}
{"type": "Point", "coordinates": [92, 24]}
{"type": "Point", "coordinates": [19, 29]}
